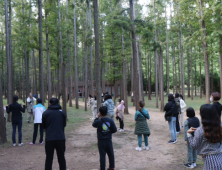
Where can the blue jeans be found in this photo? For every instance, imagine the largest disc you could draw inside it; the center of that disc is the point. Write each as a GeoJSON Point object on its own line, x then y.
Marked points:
{"type": "Point", "coordinates": [172, 126]}
{"type": "Point", "coordinates": [19, 124]}
{"type": "Point", "coordinates": [191, 154]}
{"type": "Point", "coordinates": [139, 137]}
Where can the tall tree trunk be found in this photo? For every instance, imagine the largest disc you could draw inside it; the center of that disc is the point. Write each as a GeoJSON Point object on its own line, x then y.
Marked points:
{"type": "Point", "coordinates": [9, 62]}
{"type": "Point", "coordinates": [36, 84]}
{"type": "Point", "coordinates": [97, 58]}
{"type": "Point", "coordinates": [135, 72]}
{"type": "Point", "coordinates": [188, 68]}
{"type": "Point", "coordinates": [155, 56]}
{"type": "Point", "coordinates": [195, 78]}
{"type": "Point", "coordinates": [150, 74]}
{"type": "Point", "coordinates": [191, 66]}
{"type": "Point", "coordinates": [86, 64]}
{"type": "Point", "coordinates": [220, 60]}
{"type": "Point", "coordinates": [3, 138]}
{"type": "Point", "coordinates": [75, 58]}
{"type": "Point", "coordinates": [212, 76]}
{"type": "Point", "coordinates": [206, 56]}
{"type": "Point", "coordinates": [200, 82]}
{"type": "Point", "coordinates": [64, 89]}
{"type": "Point", "coordinates": [41, 63]}
{"type": "Point", "coordinates": [161, 80]}
{"type": "Point", "coordinates": [48, 60]}
{"type": "Point", "coordinates": [167, 54]}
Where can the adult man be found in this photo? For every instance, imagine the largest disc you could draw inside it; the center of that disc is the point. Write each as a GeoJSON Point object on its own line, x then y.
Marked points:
{"type": "Point", "coordinates": [30, 105]}
{"type": "Point", "coordinates": [54, 122]}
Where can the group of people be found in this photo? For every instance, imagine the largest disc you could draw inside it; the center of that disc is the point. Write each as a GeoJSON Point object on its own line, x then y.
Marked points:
{"type": "Point", "coordinates": [201, 138]}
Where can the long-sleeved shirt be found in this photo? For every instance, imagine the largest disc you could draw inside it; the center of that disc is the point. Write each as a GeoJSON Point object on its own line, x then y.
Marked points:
{"type": "Point", "coordinates": [16, 110]}
{"type": "Point", "coordinates": [182, 105]}
{"type": "Point", "coordinates": [104, 132]}
{"type": "Point", "coordinates": [139, 115]}
{"type": "Point", "coordinates": [186, 128]}
{"type": "Point", "coordinates": [110, 106]}
{"type": "Point", "coordinates": [37, 113]}
{"type": "Point", "coordinates": [200, 143]}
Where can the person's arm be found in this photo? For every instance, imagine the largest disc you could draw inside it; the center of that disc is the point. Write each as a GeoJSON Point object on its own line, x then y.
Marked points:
{"type": "Point", "coordinates": [113, 128]}
{"type": "Point", "coordinates": [34, 99]}
{"type": "Point", "coordinates": [148, 115]}
{"type": "Point", "coordinates": [22, 109]}
{"type": "Point", "coordinates": [8, 109]}
{"type": "Point", "coordinates": [186, 128]}
{"type": "Point", "coordinates": [28, 99]}
{"type": "Point", "coordinates": [95, 123]}
{"type": "Point", "coordinates": [169, 110]}
{"type": "Point", "coordinates": [195, 142]}
{"type": "Point", "coordinates": [136, 116]}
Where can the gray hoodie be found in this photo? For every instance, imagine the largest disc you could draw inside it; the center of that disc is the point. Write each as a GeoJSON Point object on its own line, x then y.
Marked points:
{"type": "Point", "coordinates": [110, 106]}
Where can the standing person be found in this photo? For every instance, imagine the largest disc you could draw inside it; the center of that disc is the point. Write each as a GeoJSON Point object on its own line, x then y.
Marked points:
{"type": "Point", "coordinates": [194, 122]}
{"type": "Point", "coordinates": [171, 112]}
{"type": "Point", "coordinates": [90, 104]}
{"type": "Point", "coordinates": [110, 106]}
{"type": "Point", "coordinates": [215, 97]}
{"type": "Point", "coordinates": [16, 110]}
{"type": "Point", "coordinates": [142, 127]}
{"type": "Point", "coordinates": [94, 108]}
{"type": "Point", "coordinates": [54, 122]}
{"type": "Point", "coordinates": [37, 113]}
{"type": "Point", "coordinates": [120, 114]}
{"type": "Point", "coordinates": [207, 138]}
{"type": "Point", "coordinates": [105, 128]}
{"type": "Point", "coordinates": [183, 107]}
{"type": "Point", "coordinates": [30, 104]}
{"type": "Point", "coordinates": [177, 101]}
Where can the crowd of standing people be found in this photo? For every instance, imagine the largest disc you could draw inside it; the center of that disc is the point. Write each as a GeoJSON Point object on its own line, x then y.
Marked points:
{"type": "Point", "coordinates": [202, 137]}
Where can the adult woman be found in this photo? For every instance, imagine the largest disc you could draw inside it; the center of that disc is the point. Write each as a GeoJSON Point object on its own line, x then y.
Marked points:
{"type": "Point", "coordinates": [91, 104]}
{"type": "Point", "coordinates": [110, 106]}
{"type": "Point", "coordinates": [215, 97]}
{"type": "Point", "coordinates": [182, 107]}
{"type": "Point", "coordinates": [120, 114]}
{"type": "Point", "coordinates": [16, 110]}
{"type": "Point", "coordinates": [171, 112]}
{"type": "Point", "coordinates": [141, 127]}
{"type": "Point", "coordinates": [207, 138]}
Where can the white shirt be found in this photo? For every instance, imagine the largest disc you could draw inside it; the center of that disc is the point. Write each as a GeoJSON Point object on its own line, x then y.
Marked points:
{"type": "Point", "coordinates": [29, 99]}
{"type": "Point", "coordinates": [182, 105]}
{"type": "Point", "coordinates": [37, 113]}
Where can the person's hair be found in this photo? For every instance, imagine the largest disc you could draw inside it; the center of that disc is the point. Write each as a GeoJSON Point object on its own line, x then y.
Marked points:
{"type": "Point", "coordinates": [181, 96]}
{"type": "Point", "coordinates": [216, 96]}
{"type": "Point", "coordinates": [39, 100]}
{"type": "Point", "coordinates": [90, 96]}
{"type": "Point", "coordinates": [95, 98]}
{"type": "Point", "coordinates": [108, 96]}
{"type": "Point", "coordinates": [53, 101]}
{"type": "Point", "coordinates": [103, 110]}
{"type": "Point", "coordinates": [211, 123]}
{"type": "Point", "coordinates": [119, 100]}
{"type": "Point", "coordinates": [177, 95]}
{"type": "Point", "coordinates": [141, 104]}
{"type": "Point", "coordinates": [170, 97]}
{"type": "Point", "coordinates": [15, 98]}
{"type": "Point", "coordinates": [190, 112]}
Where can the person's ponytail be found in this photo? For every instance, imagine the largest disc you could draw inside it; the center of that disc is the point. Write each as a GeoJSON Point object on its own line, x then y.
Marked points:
{"type": "Point", "coordinates": [141, 105]}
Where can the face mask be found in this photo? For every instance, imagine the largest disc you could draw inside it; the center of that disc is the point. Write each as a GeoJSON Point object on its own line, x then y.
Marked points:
{"type": "Point", "coordinates": [211, 100]}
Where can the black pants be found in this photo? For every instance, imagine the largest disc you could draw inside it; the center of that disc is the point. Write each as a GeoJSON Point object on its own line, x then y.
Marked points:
{"type": "Point", "coordinates": [36, 132]}
{"type": "Point", "coordinates": [121, 123]}
{"type": "Point", "coordinates": [106, 147]}
{"type": "Point", "coordinates": [60, 147]}
{"type": "Point", "coordinates": [177, 124]}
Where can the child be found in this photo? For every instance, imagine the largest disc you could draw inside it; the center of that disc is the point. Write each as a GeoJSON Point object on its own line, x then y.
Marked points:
{"type": "Point", "coordinates": [120, 114]}
{"type": "Point", "coordinates": [141, 127]}
{"type": "Point", "coordinates": [37, 113]}
{"type": "Point", "coordinates": [194, 122]}
{"type": "Point", "coordinates": [105, 127]}
{"type": "Point", "coordinates": [95, 107]}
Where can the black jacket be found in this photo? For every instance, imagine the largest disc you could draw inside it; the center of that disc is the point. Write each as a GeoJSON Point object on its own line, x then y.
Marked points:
{"type": "Point", "coordinates": [104, 132]}
{"type": "Point", "coordinates": [16, 110]}
{"type": "Point", "coordinates": [54, 121]}
{"type": "Point", "coordinates": [171, 109]}
{"type": "Point", "coordinates": [218, 107]}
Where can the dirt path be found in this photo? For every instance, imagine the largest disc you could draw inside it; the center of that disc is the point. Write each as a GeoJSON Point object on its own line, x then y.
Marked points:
{"type": "Point", "coordinates": [82, 152]}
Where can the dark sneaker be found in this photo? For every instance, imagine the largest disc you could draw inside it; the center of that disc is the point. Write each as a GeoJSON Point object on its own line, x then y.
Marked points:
{"type": "Point", "coordinates": [189, 165]}
{"type": "Point", "coordinates": [170, 141]}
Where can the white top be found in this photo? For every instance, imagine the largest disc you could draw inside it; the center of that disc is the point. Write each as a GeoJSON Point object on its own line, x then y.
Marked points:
{"type": "Point", "coordinates": [182, 105]}
{"type": "Point", "coordinates": [37, 113]}
{"type": "Point", "coordinates": [33, 98]}
{"type": "Point", "coordinates": [4, 108]}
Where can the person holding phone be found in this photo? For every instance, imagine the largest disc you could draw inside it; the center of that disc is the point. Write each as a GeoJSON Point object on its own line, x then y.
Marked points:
{"type": "Point", "coordinates": [30, 105]}
{"type": "Point", "coordinates": [207, 138]}
{"type": "Point", "coordinates": [16, 110]}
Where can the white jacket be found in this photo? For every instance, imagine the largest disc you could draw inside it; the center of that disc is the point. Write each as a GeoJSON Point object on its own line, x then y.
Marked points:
{"type": "Point", "coordinates": [182, 105]}
{"type": "Point", "coordinates": [37, 113]}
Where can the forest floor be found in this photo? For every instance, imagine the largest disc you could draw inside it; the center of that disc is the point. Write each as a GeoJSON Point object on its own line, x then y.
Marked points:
{"type": "Point", "coordinates": [82, 152]}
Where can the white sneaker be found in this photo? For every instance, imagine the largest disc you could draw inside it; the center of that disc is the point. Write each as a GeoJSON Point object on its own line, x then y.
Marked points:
{"type": "Point", "coordinates": [138, 148]}
{"type": "Point", "coordinates": [121, 130]}
{"type": "Point", "coordinates": [194, 164]}
{"type": "Point", "coordinates": [146, 148]}
{"type": "Point", "coordinates": [20, 144]}
{"type": "Point", "coordinates": [14, 144]}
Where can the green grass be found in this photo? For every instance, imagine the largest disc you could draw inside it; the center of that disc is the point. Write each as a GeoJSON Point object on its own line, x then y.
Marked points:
{"type": "Point", "coordinates": [195, 103]}
{"type": "Point", "coordinates": [75, 118]}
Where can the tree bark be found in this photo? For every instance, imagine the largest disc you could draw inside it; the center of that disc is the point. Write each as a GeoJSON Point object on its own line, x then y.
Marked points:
{"type": "Point", "coordinates": [167, 54]}
{"type": "Point", "coordinates": [3, 138]}
{"type": "Point", "coordinates": [97, 58]}
{"type": "Point", "coordinates": [64, 89]}
{"type": "Point", "coordinates": [161, 80]}
{"type": "Point", "coordinates": [86, 64]}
